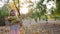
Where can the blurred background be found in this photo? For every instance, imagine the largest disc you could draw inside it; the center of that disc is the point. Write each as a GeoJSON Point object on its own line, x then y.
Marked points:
{"type": "Point", "coordinates": [31, 9]}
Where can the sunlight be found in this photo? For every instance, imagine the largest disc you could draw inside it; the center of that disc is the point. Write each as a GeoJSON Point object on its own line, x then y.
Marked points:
{"type": "Point", "coordinates": [1, 4]}
{"type": "Point", "coordinates": [11, 1]}
{"type": "Point", "coordinates": [44, 2]}
{"type": "Point", "coordinates": [50, 4]}
{"type": "Point", "coordinates": [34, 1]}
{"type": "Point", "coordinates": [22, 1]}
{"type": "Point", "coordinates": [24, 7]}
{"type": "Point", "coordinates": [24, 10]}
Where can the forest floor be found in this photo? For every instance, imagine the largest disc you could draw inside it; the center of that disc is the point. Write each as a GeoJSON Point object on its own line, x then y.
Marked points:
{"type": "Point", "coordinates": [36, 28]}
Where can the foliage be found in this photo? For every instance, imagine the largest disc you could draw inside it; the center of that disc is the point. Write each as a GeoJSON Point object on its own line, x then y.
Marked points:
{"type": "Point", "coordinates": [56, 12]}
{"type": "Point", "coordinates": [3, 12]}
{"type": "Point", "coordinates": [38, 11]}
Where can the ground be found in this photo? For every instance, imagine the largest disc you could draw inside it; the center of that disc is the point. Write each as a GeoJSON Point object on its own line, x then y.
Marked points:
{"type": "Point", "coordinates": [36, 28]}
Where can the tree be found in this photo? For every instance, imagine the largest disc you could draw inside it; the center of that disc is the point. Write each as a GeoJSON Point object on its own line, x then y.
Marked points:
{"type": "Point", "coordinates": [3, 12]}
{"type": "Point", "coordinates": [57, 10]}
{"type": "Point", "coordinates": [38, 11]}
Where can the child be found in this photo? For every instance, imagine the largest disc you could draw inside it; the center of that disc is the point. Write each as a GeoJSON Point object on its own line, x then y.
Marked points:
{"type": "Point", "coordinates": [13, 21]}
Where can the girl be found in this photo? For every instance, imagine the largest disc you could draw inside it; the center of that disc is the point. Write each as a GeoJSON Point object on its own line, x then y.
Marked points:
{"type": "Point", "coordinates": [13, 21]}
